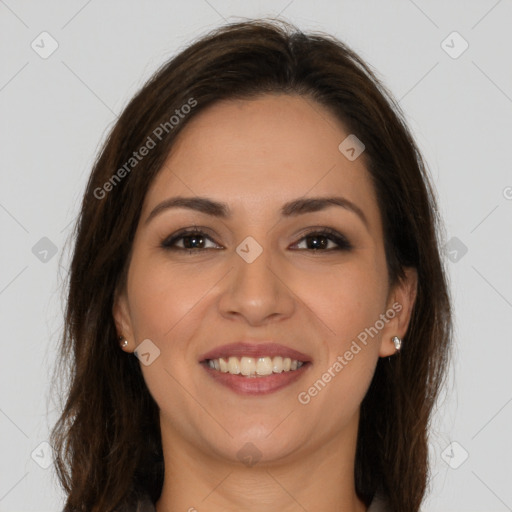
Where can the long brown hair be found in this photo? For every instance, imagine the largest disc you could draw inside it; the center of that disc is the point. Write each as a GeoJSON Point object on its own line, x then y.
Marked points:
{"type": "Point", "coordinates": [107, 440]}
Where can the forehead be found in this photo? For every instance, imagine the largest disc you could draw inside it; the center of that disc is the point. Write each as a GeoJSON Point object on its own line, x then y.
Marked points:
{"type": "Point", "coordinates": [260, 153]}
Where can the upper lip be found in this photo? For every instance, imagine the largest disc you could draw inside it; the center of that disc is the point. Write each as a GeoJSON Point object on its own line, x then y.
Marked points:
{"type": "Point", "coordinates": [261, 349]}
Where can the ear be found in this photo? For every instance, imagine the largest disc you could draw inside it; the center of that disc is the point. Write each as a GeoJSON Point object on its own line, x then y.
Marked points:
{"type": "Point", "coordinates": [122, 319]}
{"type": "Point", "coordinates": [401, 301]}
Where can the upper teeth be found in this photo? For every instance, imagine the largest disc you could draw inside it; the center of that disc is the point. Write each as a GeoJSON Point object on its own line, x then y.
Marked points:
{"type": "Point", "coordinates": [254, 365]}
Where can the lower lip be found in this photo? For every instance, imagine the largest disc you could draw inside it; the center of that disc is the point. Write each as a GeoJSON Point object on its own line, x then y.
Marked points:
{"type": "Point", "coordinates": [256, 385]}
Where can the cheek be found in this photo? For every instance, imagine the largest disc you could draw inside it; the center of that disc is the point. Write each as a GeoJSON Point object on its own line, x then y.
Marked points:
{"type": "Point", "coordinates": [345, 299]}
{"type": "Point", "coordinates": [165, 307]}
{"type": "Point", "coordinates": [161, 296]}
{"type": "Point", "coordinates": [348, 301]}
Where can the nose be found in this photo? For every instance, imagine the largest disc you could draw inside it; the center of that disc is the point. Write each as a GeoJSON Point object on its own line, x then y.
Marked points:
{"type": "Point", "coordinates": [256, 291]}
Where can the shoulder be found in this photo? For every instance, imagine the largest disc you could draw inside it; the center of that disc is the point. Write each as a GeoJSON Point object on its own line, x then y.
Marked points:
{"type": "Point", "coordinates": [379, 504]}
{"type": "Point", "coordinates": [144, 504]}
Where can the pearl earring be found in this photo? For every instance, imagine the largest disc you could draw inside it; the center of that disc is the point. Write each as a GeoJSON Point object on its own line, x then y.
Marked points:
{"type": "Point", "coordinates": [397, 341]}
{"type": "Point", "coordinates": [124, 343]}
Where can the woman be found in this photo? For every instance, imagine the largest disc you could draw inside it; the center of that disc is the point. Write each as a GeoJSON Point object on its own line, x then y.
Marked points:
{"type": "Point", "coordinates": [258, 317]}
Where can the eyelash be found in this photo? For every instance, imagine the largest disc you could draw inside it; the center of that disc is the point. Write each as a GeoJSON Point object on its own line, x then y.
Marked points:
{"type": "Point", "coordinates": [330, 234]}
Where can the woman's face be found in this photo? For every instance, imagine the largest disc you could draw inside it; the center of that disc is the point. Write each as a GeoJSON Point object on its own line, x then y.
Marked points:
{"type": "Point", "coordinates": [253, 276]}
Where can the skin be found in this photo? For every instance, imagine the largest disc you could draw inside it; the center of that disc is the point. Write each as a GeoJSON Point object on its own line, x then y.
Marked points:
{"type": "Point", "coordinates": [255, 155]}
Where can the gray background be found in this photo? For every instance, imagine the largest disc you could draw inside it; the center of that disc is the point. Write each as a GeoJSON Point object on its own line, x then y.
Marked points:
{"type": "Point", "coordinates": [55, 111]}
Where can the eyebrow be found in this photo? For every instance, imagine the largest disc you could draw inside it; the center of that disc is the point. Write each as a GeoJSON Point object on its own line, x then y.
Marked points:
{"type": "Point", "coordinates": [291, 209]}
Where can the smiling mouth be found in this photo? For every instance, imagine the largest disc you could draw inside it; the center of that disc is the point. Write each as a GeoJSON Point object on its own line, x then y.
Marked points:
{"type": "Point", "coordinates": [247, 366]}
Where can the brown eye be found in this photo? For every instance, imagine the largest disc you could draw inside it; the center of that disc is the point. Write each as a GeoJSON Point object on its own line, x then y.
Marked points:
{"type": "Point", "coordinates": [320, 241]}
{"type": "Point", "coordinates": [188, 240]}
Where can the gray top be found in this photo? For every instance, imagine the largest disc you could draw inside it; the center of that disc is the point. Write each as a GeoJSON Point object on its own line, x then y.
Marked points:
{"type": "Point", "coordinates": [379, 504]}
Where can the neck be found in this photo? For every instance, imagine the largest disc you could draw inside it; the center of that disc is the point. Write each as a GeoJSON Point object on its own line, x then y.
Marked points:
{"type": "Point", "coordinates": [312, 478]}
